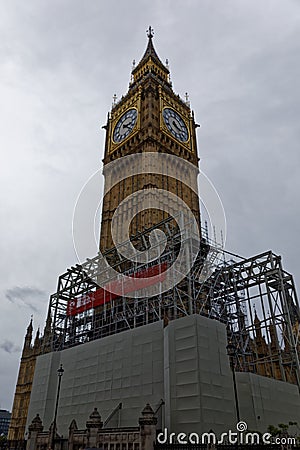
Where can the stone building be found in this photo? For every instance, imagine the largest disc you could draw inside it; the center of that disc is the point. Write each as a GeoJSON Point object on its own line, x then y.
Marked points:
{"type": "Point", "coordinates": [5, 417]}
{"type": "Point", "coordinates": [141, 437]}
{"type": "Point", "coordinates": [31, 350]}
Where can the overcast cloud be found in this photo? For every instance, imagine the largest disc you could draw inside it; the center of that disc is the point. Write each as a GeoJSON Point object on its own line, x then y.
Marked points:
{"type": "Point", "coordinates": [61, 61]}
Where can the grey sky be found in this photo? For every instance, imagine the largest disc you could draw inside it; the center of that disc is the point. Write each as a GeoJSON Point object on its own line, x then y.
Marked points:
{"type": "Point", "coordinates": [61, 61]}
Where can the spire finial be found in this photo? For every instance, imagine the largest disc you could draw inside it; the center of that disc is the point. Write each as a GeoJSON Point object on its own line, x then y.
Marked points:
{"type": "Point", "coordinates": [256, 319]}
{"type": "Point", "coordinates": [150, 32]}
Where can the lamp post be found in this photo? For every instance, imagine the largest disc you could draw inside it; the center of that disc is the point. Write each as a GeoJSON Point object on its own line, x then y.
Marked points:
{"type": "Point", "coordinates": [60, 373]}
{"type": "Point", "coordinates": [232, 351]}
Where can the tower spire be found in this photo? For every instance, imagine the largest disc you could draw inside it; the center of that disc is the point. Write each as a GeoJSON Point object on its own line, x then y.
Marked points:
{"type": "Point", "coordinates": [150, 50]}
{"type": "Point", "coordinates": [150, 62]}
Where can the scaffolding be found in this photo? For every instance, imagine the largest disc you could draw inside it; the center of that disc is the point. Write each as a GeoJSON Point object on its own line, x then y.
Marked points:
{"type": "Point", "coordinates": [255, 298]}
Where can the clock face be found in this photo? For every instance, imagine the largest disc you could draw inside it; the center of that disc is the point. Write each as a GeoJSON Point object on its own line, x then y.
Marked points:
{"type": "Point", "coordinates": [125, 125]}
{"type": "Point", "coordinates": [175, 124]}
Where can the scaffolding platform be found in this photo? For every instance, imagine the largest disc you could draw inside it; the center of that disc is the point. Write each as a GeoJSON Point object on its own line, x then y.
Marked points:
{"type": "Point", "coordinates": [255, 297]}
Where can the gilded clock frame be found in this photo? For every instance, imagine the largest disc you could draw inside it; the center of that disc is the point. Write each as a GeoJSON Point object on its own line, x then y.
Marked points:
{"type": "Point", "coordinates": [115, 115]}
{"type": "Point", "coordinates": [182, 118]}
{"type": "Point", "coordinates": [133, 131]}
{"type": "Point", "coordinates": [177, 108]}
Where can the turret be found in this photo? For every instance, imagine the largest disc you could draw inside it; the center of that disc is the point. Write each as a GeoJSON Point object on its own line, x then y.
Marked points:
{"type": "Point", "coordinates": [147, 424]}
{"type": "Point", "coordinates": [28, 336]}
{"type": "Point", "coordinates": [93, 424]}
{"type": "Point", "coordinates": [46, 343]}
{"type": "Point", "coordinates": [34, 428]}
{"type": "Point", "coordinates": [37, 341]}
{"type": "Point", "coordinates": [257, 327]}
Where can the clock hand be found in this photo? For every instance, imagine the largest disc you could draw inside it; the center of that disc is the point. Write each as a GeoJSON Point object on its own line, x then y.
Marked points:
{"type": "Point", "coordinates": [176, 126]}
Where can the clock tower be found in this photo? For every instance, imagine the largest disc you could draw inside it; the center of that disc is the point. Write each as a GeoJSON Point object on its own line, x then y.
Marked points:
{"type": "Point", "coordinates": [149, 118]}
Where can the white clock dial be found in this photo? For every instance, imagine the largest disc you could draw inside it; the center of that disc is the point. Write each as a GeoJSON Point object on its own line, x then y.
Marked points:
{"type": "Point", "coordinates": [125, 125]}
{"type": "Point", "coordinates": [175, 124]}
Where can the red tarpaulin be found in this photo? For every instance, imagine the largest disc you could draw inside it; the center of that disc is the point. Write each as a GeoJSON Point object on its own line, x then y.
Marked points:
{"type": "Point", "coordinates": [117, 288]}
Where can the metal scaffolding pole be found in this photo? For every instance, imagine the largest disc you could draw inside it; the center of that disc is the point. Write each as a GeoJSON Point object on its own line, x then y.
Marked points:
{"type": "Point", "coordinates": [216, 287]}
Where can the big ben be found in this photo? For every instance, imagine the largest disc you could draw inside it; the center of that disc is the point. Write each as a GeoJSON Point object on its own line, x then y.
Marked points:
{"type": "Point", "coordinates": [149, 118]}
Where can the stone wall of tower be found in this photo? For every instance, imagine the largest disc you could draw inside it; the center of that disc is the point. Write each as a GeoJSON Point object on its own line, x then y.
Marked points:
{"type": "Point", "coordinates": [149, 138]}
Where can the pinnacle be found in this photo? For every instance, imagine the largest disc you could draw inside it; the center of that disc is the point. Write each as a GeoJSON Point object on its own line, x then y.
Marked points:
{"type": "Point", "coordinates": [30, 327]}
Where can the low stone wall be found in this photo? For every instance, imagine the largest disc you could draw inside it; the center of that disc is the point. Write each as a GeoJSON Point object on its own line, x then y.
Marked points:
{"type": "Point", "coordinates": [141, 437]}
